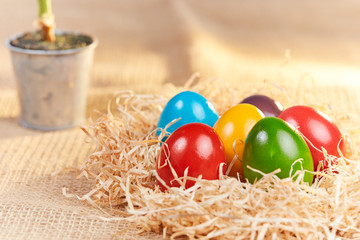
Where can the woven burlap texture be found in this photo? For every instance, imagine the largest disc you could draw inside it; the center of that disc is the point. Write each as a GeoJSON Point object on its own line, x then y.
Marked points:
{"type": "Point", "coordinates": [144, 44]}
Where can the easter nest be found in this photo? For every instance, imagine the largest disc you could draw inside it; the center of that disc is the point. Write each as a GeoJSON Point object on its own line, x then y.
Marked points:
{"type": "Point", "coordinates": [122, 168]}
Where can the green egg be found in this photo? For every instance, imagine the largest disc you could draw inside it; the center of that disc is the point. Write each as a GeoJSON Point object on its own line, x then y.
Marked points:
{"type": "Point", "coordinates": [272, 144]}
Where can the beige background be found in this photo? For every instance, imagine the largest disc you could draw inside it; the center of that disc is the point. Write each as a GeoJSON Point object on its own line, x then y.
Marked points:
{"type": "Point", "coordinates": [144, 44]}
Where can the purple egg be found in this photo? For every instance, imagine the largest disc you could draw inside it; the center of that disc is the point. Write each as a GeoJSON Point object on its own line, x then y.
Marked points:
{"type": "Point", "coordinates": [267, 105]}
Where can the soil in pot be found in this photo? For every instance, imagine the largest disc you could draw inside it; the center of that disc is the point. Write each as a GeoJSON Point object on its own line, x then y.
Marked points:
{"type": "Point", "coordinates": [33, 40]}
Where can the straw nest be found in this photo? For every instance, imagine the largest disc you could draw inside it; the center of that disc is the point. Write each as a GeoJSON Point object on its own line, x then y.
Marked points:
{"type": "Point", "coordinates": [122, 169]}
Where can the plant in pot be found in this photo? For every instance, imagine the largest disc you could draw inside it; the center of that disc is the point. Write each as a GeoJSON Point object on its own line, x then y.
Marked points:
{"type": "Point", "coordinates": [52, 70]}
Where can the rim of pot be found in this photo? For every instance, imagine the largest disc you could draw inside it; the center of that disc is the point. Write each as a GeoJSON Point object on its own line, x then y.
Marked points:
{"type": "Point", "coordinates": [13, 48]}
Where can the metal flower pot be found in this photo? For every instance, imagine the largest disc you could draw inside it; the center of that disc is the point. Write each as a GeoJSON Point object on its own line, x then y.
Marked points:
{"type": "Point", "coordinates": [52, 85]}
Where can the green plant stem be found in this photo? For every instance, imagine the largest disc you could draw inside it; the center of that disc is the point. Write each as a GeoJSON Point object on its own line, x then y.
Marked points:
{"type": "Point", "coordinates": [45, 7]}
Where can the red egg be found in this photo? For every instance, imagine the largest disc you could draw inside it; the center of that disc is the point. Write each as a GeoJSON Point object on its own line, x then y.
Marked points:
{"type": "Point", "coordinates": [319, 131]}
{"type": "Point", "coordinates": [195, 147]}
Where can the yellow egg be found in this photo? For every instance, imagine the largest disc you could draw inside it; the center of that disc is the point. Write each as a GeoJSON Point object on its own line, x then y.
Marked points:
{"type": "Point", "coordinates": [232, 128]}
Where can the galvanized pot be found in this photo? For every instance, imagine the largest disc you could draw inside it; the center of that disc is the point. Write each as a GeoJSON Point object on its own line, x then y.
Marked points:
{"type": "Point", "coordinates": [52, 85]}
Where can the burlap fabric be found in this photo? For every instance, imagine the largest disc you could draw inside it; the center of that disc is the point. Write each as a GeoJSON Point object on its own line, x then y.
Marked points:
{"type": "Point", "coordinates": [144, 44]}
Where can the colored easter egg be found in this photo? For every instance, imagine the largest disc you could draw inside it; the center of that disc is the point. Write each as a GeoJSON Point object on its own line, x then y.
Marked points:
{"type": "Point", "coordinates": [233, 127]}
{"type": "Point", "coordinates": [267, 105]}
{"type": "Point", "coordinates": [195, 148]}
{"type": "Point", "coordinates": [272, 144]}
{"type": "Point", "coordinates": [319, 131]}
{"type": "Point", "coordinates": [189, 107]}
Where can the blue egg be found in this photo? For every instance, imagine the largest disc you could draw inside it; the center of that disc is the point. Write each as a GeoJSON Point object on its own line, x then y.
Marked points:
{"type": "Point", "coordinates": [190, 107]}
